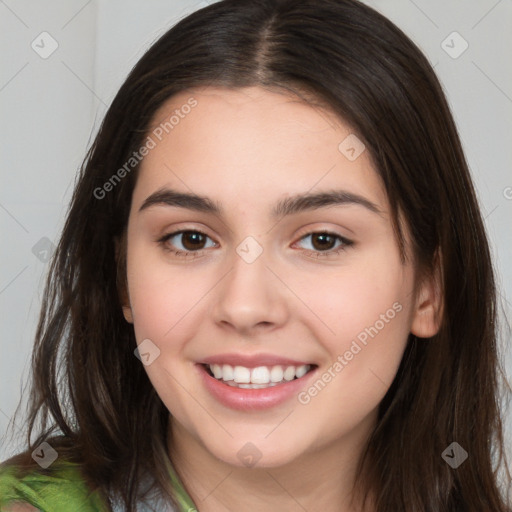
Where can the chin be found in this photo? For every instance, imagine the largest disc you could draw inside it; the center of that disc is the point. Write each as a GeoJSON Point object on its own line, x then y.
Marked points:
{"type": "Point", "coordinates": [258, 453]}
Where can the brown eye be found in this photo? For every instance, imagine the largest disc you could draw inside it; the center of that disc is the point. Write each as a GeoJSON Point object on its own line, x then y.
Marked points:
{"type": "Point", "coordinates": [323, 241]}
{"type": "Point", "coordinates": [326, 244]}
{"type": "Point", "coordinates": [186, 241]}
{"type": "Point", "coordinates": [193, 240]}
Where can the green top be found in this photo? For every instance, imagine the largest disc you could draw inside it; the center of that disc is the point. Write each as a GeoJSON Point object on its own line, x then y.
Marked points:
{"type": "Point", "coordinates": [64, 489]}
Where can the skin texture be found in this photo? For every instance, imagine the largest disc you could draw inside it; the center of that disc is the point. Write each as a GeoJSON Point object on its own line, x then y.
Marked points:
{"type": "Point", "coordinates": [20, 507]}
{"type": "Point", "coordinates": [247, 149]}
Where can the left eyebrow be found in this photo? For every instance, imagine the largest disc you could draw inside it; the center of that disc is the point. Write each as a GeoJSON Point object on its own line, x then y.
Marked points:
{"type": "Point", "coordinates": [288, 206]}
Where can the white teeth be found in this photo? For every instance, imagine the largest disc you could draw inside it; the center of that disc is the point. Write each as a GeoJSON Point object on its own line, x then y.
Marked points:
{"type": "Point", "coordinates": [276, 374]}
{"type": "Point", "coordinates": [241, 374]}
{"type": "Point", "coordinates": [289, 373]}
{"type": "Point", "coordinates": [252, 386]}
{"type": "Point", "coordinates": [301, 371]}
{"type": "Point", "coordinates": [216, 370]}
{"type": "Point", "coordinates": [227, 373]}
{"type": "Point", "coordinates": [259, 377]}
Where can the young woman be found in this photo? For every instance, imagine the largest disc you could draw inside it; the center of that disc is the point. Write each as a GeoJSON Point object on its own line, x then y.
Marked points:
{"type": "Point", "coordinates": [273, 290]}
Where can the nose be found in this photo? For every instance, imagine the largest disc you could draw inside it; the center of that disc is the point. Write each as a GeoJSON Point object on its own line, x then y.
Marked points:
{"type": "Point", "coordinates": [251, 299]}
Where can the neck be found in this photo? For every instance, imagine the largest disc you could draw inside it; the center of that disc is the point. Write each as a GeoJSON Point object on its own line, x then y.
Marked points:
{"type": "Point", "coordinates": [318, 480]}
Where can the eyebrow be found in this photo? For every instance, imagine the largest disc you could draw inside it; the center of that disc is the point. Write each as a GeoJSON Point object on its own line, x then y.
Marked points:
{"type": "Point", "coordinates": [288, 206]}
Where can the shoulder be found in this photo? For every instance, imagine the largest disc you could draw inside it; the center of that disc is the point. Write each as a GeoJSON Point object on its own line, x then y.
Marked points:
{"type": "Point", "coordinates": [58, 488]}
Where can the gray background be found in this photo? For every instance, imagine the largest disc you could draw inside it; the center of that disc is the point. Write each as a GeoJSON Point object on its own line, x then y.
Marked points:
{"type": "Point", "coordinates": [51, 108]}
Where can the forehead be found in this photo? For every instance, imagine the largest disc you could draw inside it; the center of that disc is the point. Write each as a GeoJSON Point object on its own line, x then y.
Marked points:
{"type": "Point", "coordinates": [238, 141]}
{"type": "Point", "coordinates": [247, 99]}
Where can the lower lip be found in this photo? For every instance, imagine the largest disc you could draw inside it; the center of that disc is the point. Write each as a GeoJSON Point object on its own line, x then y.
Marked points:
{"type": "Point", "coordinates": [252, 399]}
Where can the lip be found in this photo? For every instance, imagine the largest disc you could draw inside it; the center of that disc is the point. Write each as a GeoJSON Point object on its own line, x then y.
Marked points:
{"type": "Point", "coordinates": [253, 399]}
{"type": "Point", "coordinates": [252, 360]}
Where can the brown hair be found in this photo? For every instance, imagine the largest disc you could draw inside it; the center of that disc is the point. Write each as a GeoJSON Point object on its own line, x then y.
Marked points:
{"type": "Point", "coordinates": [344, 55]}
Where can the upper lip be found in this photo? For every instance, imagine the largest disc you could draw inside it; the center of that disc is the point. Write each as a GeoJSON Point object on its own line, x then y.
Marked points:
{"type": "Point", "coordinates": [252, 360]}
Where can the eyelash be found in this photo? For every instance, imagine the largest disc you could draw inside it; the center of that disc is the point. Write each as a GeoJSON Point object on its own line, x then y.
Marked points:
{"type": "Point", "coordinates": [346, 243]}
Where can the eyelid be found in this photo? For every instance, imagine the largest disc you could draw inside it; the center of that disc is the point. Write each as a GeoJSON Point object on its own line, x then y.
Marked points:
{"type": "Point", "coordinates": [310, 253]}
{"type": "Point", "coordinates": [322, 229]}
{"type": "Point", "coordinates": [171, 234]}
{"type": "Point", "coordinates": [345, 243]}
{"type": "Point", "coordinates": [302, 233]}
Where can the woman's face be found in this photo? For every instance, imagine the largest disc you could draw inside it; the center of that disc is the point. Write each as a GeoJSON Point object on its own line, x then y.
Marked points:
{"type": "Point", "coordinates": [289, 265]}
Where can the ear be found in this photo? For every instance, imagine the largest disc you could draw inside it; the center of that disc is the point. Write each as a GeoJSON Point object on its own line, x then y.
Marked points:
{"type": "Point", "coordinates": [122, 285]}
{"type": "Point", "coordinates": [127, 313]}
{"type": "Point", "coordinates": [429, 304]}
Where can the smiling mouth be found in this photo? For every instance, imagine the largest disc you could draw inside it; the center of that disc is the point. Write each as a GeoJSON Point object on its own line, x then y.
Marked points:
{"type": "Point", "coordinates": [259, 377]}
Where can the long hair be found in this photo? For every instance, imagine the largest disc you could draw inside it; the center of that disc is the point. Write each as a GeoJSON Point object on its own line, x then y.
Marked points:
{"type": "Point", "coordinates": [91, 398]}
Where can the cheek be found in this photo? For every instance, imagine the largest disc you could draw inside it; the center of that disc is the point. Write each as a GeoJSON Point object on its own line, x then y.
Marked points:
{"type": "Point", "coordinates": [366, 308]}
{"type": "Point", "coordinates": [165, 305]}
{"type": "Point", "coordinates": [153, 294]}
{"type": "Point", "coordinates": [166, 300]}
{"type": "Point", "coordinates": [356, 301]}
